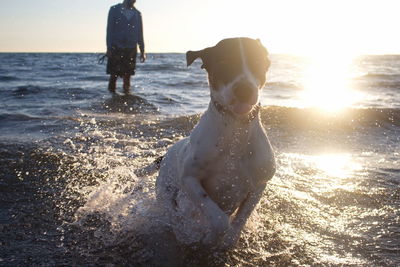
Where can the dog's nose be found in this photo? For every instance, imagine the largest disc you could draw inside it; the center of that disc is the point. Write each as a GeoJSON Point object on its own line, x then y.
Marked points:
{"type": "Point", "coordinates": [244, 92]}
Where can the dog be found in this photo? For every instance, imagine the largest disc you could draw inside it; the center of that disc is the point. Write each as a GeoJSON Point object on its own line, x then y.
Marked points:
{"type": "Point", "coordinates": [214, 178]}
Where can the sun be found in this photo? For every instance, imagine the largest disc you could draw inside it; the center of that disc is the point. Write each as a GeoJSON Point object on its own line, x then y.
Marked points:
{"type": "Point", "coordinates": [327, 83]}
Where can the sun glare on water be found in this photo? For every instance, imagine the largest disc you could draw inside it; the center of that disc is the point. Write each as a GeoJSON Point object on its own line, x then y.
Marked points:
{"type": "Point", "coordinates": [327, 83]}
{"type": "Point", "coordinates": [337, 165]}
{"type": "Point", "coordinates": [327, 171]}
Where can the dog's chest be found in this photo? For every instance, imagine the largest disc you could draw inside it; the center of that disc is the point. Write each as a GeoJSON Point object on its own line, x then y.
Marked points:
{"type": "Point", "coordinates": [229, 161]}
{"type": "Point", "coordinates": [229, 180]}
{"type": "Point", "coordinates": [228, 187]}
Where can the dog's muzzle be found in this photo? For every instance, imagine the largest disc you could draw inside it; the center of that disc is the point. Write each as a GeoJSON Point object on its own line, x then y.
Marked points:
{"type": "Point", "coordinates": [245, 98]}
{"type": "Point", "coordinates": [247, 119]}
{"type": "Point", "coordinates": [244, 92]}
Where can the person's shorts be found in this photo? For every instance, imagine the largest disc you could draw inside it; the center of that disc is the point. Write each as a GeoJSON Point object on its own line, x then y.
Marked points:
{"type": "Point", "coordinates": [122, 61]}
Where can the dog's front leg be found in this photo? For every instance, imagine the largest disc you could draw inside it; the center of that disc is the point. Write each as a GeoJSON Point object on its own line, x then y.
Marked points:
{"type": "Point", "coordinates": [243, 213]}
{"type": "Point", "coordinates": [218, 219]}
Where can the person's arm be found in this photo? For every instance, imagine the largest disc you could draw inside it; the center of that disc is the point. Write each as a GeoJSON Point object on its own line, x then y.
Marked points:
{"type": "Point", "coordinates": [141, 39]}
{"type": "Point", "coordinates": [110, 24]}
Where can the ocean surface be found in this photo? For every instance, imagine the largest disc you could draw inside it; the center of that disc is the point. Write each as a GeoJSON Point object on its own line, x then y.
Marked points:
{"type": "Point", "coordinates": [69, 149]}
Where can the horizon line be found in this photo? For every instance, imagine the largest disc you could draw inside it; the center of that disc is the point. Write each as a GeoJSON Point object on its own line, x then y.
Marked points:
{"type": "Point", "coordinates": [85, 52]}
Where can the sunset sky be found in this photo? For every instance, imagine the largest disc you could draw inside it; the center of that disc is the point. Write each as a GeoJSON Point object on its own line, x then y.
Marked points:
{"type": "Point", "coordinates": [307, 27]}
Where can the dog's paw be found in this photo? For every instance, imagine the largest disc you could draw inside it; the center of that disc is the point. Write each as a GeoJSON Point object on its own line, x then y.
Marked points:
{"type": "Point", "coordinates": [210, 239]}
{"type": "Point", "coordinates": [220, 224]}
{"type": "Point", "coordinates": [219, 227]}
{"type": "Point", "coordinates": [230, 240]}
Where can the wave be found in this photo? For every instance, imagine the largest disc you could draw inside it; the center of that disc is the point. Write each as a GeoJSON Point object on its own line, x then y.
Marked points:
{"type": "Point", "coordinates": [94, 78]}
{"type": "Point", "coordinates": [21, 117]}
{"type": "Point", "coordinates": [381, 76]}
{"type": "Point", "coordinates": [356, 119]}
{"type": "Point", "coordinates": [28, 89]}
{"type": "Point", "coordinates": [17, 117]}
{"type": "Point", "coordinates": [184, 83]}
{"type": "Point", "coordinates": [282, 120]}
{"type": "Point", "coordinates": [130, 104]}
{"type": "Point", "coordinates": [166, 100]}
{"type": "Point", "coordinates": [8, 78]}
{"type": "Point", "coordinates": [34, 90]}
{"type": "Point", "coordinates": [351, 118]}
{"type": "Point", "coordinates": [387, 85]}
{"type": "Point", "coordinates": [281, 85]}
{"type": "Point", "coordinates": [162, 67]}
{"type": "Point", "coordinates": [105, 211]}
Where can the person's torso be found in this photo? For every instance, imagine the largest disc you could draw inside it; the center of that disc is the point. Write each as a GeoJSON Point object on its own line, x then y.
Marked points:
{"type": "Point", "coordinates": [125, 26]}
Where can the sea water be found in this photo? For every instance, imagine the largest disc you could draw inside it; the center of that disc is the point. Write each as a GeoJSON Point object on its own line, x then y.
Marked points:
{"type": "Point", "coordinates": [69, 150]}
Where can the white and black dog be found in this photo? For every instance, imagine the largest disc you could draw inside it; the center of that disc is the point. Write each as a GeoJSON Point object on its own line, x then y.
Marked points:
{"type": "Point", "coordinates": [213, 179]}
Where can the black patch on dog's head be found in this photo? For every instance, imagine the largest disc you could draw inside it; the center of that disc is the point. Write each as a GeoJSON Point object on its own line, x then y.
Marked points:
{"type": "Point", "coordinates": [224, 62]}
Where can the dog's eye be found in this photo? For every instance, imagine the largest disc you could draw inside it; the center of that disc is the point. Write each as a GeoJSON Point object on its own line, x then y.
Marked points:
{"type": "Point", "coordinates": [228, 72]}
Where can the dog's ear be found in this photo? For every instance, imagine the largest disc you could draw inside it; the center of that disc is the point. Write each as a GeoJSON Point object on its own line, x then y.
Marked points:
{"type": "Point", "coordinates": [261, 44]}
{"type": "Point", "coordinates": [192, 56]}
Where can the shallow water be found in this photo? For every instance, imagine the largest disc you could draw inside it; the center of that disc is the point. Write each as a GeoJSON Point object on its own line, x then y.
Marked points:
{"type": "Point", "coordinates": [69, 195]}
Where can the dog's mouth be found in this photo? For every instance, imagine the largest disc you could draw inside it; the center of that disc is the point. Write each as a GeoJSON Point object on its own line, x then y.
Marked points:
{"type": "Point", "coordinates": [244, 97]}
{"type": "Point", "coordinates": [240, 108]}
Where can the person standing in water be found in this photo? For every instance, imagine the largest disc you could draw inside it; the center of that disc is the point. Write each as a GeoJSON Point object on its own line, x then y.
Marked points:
{"type": "Point", "coordinates": [124, 34]}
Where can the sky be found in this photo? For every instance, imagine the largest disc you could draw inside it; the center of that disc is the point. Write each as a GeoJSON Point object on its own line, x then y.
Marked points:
{"type": "Point", "coordinates": [306, 27]}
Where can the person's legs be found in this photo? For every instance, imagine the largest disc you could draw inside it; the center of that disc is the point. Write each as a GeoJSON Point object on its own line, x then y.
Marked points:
{"type": "Point", "coordinates": [112, 83]}
{"type": "Point", "coordinates": [127, 83]}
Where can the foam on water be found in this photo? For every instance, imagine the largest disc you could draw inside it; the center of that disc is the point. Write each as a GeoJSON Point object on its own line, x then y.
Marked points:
{"type": "Point", "coordinates": [320, 208]}
{"type": "Point", "coordinates": [316, 210]}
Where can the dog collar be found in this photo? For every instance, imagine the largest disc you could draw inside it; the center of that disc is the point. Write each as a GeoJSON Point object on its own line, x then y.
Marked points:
{"type": "Point", "coordinates": [250, 117]}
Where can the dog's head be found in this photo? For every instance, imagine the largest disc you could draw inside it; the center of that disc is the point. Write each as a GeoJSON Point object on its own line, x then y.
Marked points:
{"type": "Point", "coordinates": [237, 70]}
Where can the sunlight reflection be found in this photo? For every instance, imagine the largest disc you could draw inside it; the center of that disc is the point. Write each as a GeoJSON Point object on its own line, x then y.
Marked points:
{"type": "Point", "coordinates": [336, 165]}
{"type": "Point", "coordinates": [328, 171]}
{"type": "Point", "coordinates": [327, 83]}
